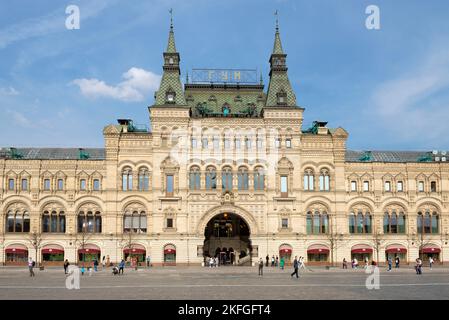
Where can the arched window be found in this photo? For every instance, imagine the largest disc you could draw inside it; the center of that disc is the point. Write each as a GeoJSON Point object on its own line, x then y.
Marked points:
{"type": "Point", "coordinates": [394, 220]}
{"type": "Point", "coordinates": [135, 221]}
{"type": "Point", "coordinates": [317, 222]}
{"type": "Point", "coordinates": [211, 178]}
{"type": "Point", "coordinates": [243, 179]}
{"type": "Point", "coordinates": [226, 178]}
{"type": "Point", "coordinates": [360, 220]}
{"type": "Point", "coordinates": [194, 178]}
{"type": "Point", "coordinates": [89, 222]}
{"type": "Point", "coordinates": [53, 221]}
{"type": "Point", "coordinates": [259, 179]}
{"type": "Point", "coordinates": [18, 220]}
{"type": "Point", "coordinates": [324, 180]}
{"type": "Point", "coordinates": [144, 179]}
{"type": "Point", "coordinates": [428, 222]}
{"type": "Point", "coordinates": [309, 180]}
{"type": "Point", "coordinates": [127, 179]}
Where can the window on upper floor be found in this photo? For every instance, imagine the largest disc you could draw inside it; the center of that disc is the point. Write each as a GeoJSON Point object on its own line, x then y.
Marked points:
{"type": "Point", "coordinates": [387, 186]}
{"type": "Point", "coordinates": [127, 179]}
{"type": "Point", "coordinates": [366, 186]}
{"type": "Point", "coordinates": [193, 143]}
{"type": "Point", "coordinates": [433, 186]}
{"type": "Point", "coordinates": [169, 222]}
{"type": "Point", "coordinates": [242, 179]}
{"type": "Point", "coordinates": [353, 186]}
{"type": "Point", "coordinates": [284, 223]}
{"type": "Point", "coordinates": [309, 180]}
{"type": "Point", "coordinates": [60, 184]}
{"type": "Point", "coordinates": [53, 221]}
{"type": "Point", "coordinates": [135, 222]}
{"type": "Point", "coordinates": [83, 185]}
{"type": "Point", "coordinates": [284, 186]}
{"type": "Point", "coordinates": [277, 143]}
{"type": "Point", "coordinates": [170, 185]}
{"type": "Point", "coordinates": [259, 179]}
{"type": "Point", "coordinates": [144, 179]}
{"type": "Point", "coordinates": [428, 222]}
{"type": "Point", "coordinates": [226, 179]}
{"type": "Point", "coordinates": [394, 221]}
{"type": "Point", "coordinates": [89, 222]}
{"type": "Point", "coordinates": [421, 186]}
{"type": "Point", "coordinates": [211, 178]}
{"type": "Point", "coordinates": [24, 184]}
{"type": "Point", "coordinates": [96, 185]}
{"type": "Point", "coordinates": [288, 143]}
{"type": "Point", "coordinates": [46, 184]}
{"type": "Point", "coordinates": [317, 222]}
{"type": "Point", "coordinates": [400, 186]}
{"type": "Point", "coordinates": [18, 221]}
{"type": "Point", "coordinates": [194, 178]}
{"type": "Point", "coordinates": [360, 222]}
{"type": "Point", "coordinates": [324, 180]}
{"type": "Point", "coordinates": [205, 143]}
{"type": "Point", "coordinates": [11, 184]}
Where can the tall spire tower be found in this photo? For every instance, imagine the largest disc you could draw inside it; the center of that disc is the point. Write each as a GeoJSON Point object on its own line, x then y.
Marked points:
{"type": "Point", "coordinates": [280, 92]}
{"type": "Point", "coordinates": [170, 91]}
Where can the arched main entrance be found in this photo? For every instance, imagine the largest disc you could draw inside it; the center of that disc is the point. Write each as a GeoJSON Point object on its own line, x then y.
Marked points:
{"type": "Point", "coordinates": [227, 237]}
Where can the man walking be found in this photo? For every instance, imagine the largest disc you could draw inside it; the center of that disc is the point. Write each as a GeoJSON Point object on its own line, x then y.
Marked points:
{"type": "Point", "coordinates": [121, 266]}
{"type": "Point", "coordinates": [397, 262]}
{"type": "Point", "coordinates": [295, 266]}
{"type": "Point", "coordinates": [31, 265]}
{"type": "Point", "coordinates": [430, 262]}
{"type": "Point", "coordinates": [66, 265]}
{"type": "Point", "coordinates": [268, 259]}
{"type": "Point", "coordinates": [260, 267]}
{"type": "Point", "coordinates": [390, 263]}
{"type": "Point", "coordinates": [148, 261]}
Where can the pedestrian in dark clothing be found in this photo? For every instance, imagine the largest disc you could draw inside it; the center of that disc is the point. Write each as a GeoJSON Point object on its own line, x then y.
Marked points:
{"type": "Point", "coordinates": [295, 266]}
{"type": "Point", "coordinates": [277, 261]}
{"type": "Point", "coordinates": [260, 267]}
{"type": "Point", "coordinates": [396, 261]}
{"type": "Point", "coordinates": [31, 265]}
{"type": "Point", "coordinates": [268, 259]}
{"type": "Point", "coordinates": [66, 265]}
{"type": "Point", "coordinates": [95, 265]}
{"type": "Point", "coordinates": [345, 264]}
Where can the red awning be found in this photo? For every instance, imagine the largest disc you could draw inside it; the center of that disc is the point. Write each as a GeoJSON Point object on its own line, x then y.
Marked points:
{"type": "Point", "coordinates": [16, 250]}
{"type": "Point", "coordinates": [52, 251]}
{"type": "Point", "coordinates": [318, 251]}
{"type": "Point", "coordinates": [362, 250]}
{"type": "Point", "coordinates": [134, 251]}
{"type": "Point", "coordinates": [431, 250]}
{"type": "Point", "coordinates": [89, 251]}
{"type": "Point", "coordinates": [285, 251]}
{"type": "Point", "coordinates": [396, 250]}
{"type": "Point", "coordinates": [169, 251]}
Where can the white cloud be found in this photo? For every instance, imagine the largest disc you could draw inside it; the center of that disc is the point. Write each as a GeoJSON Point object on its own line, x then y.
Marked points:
{"type": "Point", "coordinates": [137, 84]}
{"type": "Point", "coordinates": [10, 91]}
{"type": "Point", "coordinates": [20, 119]}
{"type": "Point", "coordinates": [415, 105]}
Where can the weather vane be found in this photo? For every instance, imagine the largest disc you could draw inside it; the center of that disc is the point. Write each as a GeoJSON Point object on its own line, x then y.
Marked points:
{"type": "Point", "coordinates": [171, 17]}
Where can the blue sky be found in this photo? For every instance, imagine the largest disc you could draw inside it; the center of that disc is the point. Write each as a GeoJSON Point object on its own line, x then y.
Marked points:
{"type": "Point", "coordinates": [388, 88]}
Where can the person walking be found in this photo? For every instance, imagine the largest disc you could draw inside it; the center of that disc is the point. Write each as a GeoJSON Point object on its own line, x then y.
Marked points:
{"type": "Point", "coordinates": [82, 269]}
{"type": "Point", "coordinates": [418, 266]}
{"type": "Point", "coordinates": [390, 263]}
{"type": "Point", "coordinates": [95, 265]}
{"type": "Point", "coordinates": [66, 266]}
{"type": "Point", "coordinates": [397, 261]}
{"type": "Point", "coordinates": [295, 266]}
{"type": "Point", "coordinates": [31, 265]}
{"type": "Point", "coordinates": [148, 261]}
{"type": "Point", "coordinates": [108, 261]}
{"type": "Point", "coordinates": [260, 267]}
{"type": "Point", "coordinates": [431, 262]}
{"type": "Point", "coordinates": [267, 258]}
{"type": "Point", "coordinates": [136, 263]}
{"type": "Point", "coordinates": [121, 266]}
{"type": "Point", "coordinates": [302, 263]}
{"type": "Point", "coordinates": [345, 264]}
{"type": "Point", "coordinates": [356, 263]}
{"type": "Point", "coordinates": [103, 263]}
{"type": "Point", "coordinates": [366, 262]}
{"type": "Point", "coordinates": [272, 261]}
{"type": "Point", "coordinates": [277, 261]}
{"type": "Point", "coordinates": [281, 264]}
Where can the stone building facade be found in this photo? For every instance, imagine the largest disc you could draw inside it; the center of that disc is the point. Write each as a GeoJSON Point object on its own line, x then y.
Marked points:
{"type": "Point", "coordinates": [226, 170]}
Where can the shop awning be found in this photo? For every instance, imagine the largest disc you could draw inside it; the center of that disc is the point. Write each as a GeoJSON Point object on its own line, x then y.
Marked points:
{"type": "Point", "coordinates": [430, 250]}
{"type": "Point", "coordinates": [361, 248]}
{"type": "Point", "coordinates": [396, 249]}
{"type": "Point", "coordinates": [16, 250]}
{"type": "Point", "coordinates": [317, 249]}
{"type": "Point", "coordinates": [52, 251]}
{"type": "Point", "coordinates": [285, 248]}
{"type": "Point", "coordinates": [135, 251]}
{"type": "Point", "coordinates": [169, 251]}
{"type": "Point", "coordinates": [89, 250]}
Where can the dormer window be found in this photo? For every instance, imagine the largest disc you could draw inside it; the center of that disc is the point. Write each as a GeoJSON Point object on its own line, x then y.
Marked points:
{"type": "Point", "coordinates": [281, 97]}
{"type": "Point", "coordinates": [170, 97]}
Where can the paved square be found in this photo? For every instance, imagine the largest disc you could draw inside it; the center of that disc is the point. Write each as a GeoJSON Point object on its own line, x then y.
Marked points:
{"type": "Point", "coordinates": [228, 283]}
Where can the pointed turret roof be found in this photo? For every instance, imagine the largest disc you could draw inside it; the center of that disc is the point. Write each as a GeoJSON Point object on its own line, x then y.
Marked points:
{"type": "Point", "coordinates": [170, 91]}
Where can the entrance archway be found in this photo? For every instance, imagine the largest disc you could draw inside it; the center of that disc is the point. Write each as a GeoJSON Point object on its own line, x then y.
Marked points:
{"type": "Point", "coordinates": [227, 237]}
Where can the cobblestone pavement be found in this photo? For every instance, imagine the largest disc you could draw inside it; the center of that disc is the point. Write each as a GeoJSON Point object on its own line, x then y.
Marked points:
{"type": "Point", "coordinates": [229, 283]}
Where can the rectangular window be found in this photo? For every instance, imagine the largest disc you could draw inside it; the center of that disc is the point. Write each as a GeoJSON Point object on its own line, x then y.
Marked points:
{"type": "Point", "coordinates": [60, 184]}
{"type": "Point", "coordinates": [170, 186]}
{"type": "Point", "coordinates": [284, 186]}
{"type": "Point", "coordinates": [400, 186]}
{"type": "Point", "coordinates": [205, 143]}
{"type": "Point", "coordinates": [248, 143]}
{"type": "Point", "coordinates": [194, 145]}
{"type": "Point", "coordinates": [24, 184]}
{"type": "Point", "coordinates": [83, 184]}
{"type": "Point", "coordinates": [259, 144]}
{"type": "Point", "coordinates": [237, 143]}
{"type": "Point", "coordinates": [284, 223]}
{"type": "Point", "coordinates": [277, 143]}
{"type": "Point", "coordinates": [169, 223]}
{"type": "Point", "coordinates": [96, 184]}
{"type": "Point", "coordinates": [387, 186]}
{"type": "Point", "coordinates": [46, 184]}
{"type": "Point", "coordinates": [216, 143]}
{"type": "Point", "coordinates": [421, 186]}
{"type": "Point", "coordinates": [366, 186]}
{"type": "Point", "coordinates": [433, 186]}
{"type": "Point", "coordinates": [11, 184]}
{"type": "Point", "coordinates": [353, 186]}
{"type": "Point", "coordinates": [288, 143]}
{"type": "Point", "coordinates": [227, 144]}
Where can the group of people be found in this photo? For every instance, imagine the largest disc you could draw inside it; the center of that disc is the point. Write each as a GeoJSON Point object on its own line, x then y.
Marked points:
{"type": "Point", "coordinates": [212, 262]}
{"type": "Point", "coordinates": [298, 263]}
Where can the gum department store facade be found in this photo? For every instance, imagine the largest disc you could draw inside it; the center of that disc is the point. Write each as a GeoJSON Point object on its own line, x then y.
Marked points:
{"type": "Point", "coordinates": [226, 170]}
